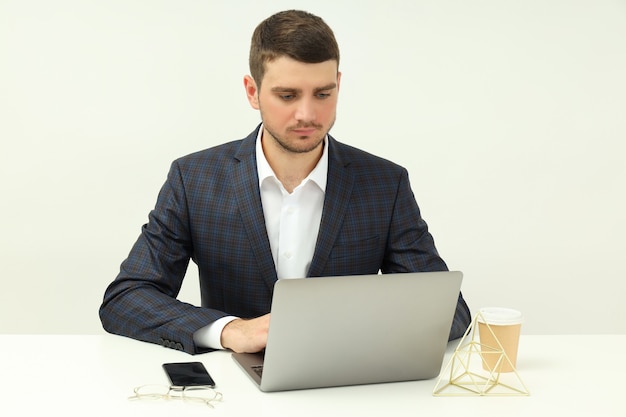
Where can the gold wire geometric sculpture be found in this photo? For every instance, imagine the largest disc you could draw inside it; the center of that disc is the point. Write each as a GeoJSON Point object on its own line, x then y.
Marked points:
{"type": "Point", "coordinates": [465, 377]}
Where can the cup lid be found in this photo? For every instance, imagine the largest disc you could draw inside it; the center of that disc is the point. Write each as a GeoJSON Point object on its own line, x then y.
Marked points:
{"type": "Point", "coordinates": [500, 316]}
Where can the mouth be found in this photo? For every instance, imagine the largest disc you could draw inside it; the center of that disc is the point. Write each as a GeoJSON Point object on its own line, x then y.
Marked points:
{"type": "Point", "coordinates": [304, 131]}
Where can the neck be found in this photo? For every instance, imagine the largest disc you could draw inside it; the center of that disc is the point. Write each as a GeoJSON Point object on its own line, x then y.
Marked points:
{"type": "Point", "coordinates": [291, 168]}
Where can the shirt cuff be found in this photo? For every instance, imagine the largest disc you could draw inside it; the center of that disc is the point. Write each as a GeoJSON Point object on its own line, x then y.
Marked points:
{"type": "Point", "coordinates": [210, 335]}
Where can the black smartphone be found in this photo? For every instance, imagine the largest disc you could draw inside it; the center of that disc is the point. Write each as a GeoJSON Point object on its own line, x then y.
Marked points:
{"type": "Point", "coordinates": [188, 374]}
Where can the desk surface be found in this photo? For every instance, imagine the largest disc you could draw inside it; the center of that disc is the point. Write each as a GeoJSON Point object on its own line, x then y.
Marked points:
{"type": "Point", "coordinates": [94, 375]}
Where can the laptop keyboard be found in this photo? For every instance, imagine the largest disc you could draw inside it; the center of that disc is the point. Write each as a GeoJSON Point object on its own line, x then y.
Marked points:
{"type": "Point", "coordinates": [258, 369]}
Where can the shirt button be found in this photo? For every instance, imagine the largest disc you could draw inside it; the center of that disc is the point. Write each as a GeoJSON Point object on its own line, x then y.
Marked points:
{"type": "Point", "coordinates": [290, 210]}
{"type": "Point", "coordinates": [288, 255]}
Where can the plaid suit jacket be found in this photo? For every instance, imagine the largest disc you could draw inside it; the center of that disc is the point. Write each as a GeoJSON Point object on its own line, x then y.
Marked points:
{"type": "Point", "coordinates": [209, 210]}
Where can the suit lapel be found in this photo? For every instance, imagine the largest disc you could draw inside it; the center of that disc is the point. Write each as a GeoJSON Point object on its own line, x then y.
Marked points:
{"type": "Point", "coordinates": [248, 195]}
{"type": "Point", "coordinates": [338, 192]}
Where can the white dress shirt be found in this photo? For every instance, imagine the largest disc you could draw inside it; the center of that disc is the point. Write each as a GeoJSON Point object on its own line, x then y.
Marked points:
{"type": "Point", "coordinates": [292, 221]}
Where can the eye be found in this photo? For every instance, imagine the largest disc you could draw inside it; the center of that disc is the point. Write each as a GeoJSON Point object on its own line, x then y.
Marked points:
{"type": "Point", "coordinates": [287, 97]}
{"type": "Point", "coordinates": [322, 95]}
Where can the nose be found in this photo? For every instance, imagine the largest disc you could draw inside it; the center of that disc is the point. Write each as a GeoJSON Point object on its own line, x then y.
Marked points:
{"type": "Point", "coordinates": [305, 112]}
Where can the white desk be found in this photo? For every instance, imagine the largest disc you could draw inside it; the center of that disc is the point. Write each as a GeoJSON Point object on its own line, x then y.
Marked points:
{"type": "Point", "coordinates": [93, 375]}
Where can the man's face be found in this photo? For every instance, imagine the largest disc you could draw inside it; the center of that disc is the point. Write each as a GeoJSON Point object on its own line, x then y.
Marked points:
{"type": "Point", "coordinates": [297, 101]}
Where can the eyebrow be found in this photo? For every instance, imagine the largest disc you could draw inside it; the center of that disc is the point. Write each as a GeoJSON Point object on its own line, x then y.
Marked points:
{"type": "Point", "coordinates": [330, 86]}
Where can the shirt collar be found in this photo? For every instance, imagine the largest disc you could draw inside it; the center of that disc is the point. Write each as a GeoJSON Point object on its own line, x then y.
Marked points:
{"type": "Point", "coordinates": [319, 175]}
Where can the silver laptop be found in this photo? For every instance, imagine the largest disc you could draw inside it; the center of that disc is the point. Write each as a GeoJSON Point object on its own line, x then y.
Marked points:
{"type": "Point", "coordinates": [352, 330]}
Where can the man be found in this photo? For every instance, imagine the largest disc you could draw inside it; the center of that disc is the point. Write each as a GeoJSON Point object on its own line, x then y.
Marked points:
{"type": "Point", "coordinates": [288, 201]}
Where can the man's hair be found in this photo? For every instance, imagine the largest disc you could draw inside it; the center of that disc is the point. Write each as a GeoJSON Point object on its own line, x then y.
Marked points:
{"type": "Point", "coordinates": [294, 33]}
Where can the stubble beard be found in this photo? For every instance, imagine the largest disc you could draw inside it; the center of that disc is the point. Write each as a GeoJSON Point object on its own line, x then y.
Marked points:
{"type": "Point", "coordinates": [300, 146]}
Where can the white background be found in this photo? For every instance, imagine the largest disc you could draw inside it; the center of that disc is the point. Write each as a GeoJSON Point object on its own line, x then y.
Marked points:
{"type": "Point", "coordinates": [509, 115]}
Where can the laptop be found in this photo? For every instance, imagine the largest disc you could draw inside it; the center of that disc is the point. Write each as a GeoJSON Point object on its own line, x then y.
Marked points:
{"type": "Point", "coordinates": [352, 330]}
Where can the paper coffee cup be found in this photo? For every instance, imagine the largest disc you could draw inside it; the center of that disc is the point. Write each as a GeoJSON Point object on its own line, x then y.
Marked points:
{"type": "Point", "coordinates": [505, 324]}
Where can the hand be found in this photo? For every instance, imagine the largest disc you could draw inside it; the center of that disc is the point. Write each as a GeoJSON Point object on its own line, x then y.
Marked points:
{"type": "Point", "coordinates": [246, 335]}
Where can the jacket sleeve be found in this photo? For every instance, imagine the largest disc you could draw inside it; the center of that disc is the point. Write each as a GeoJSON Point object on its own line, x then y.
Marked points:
{"type": "Point", "coordinates": [411, 247]}
{"type": "Point", "coordinates": [141, 302]}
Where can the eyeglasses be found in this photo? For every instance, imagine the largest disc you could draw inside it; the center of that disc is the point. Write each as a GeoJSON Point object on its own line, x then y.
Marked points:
{"type": "Point", "coordinates": [197, 394]}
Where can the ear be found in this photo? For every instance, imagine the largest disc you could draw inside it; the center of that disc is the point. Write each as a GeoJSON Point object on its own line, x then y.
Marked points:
{"type": "Point", "coordinates": [252, 92]}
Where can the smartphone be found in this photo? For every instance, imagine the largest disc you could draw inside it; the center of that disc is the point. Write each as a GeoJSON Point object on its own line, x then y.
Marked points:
{"type": "Point", "coordinates": [188, 374]}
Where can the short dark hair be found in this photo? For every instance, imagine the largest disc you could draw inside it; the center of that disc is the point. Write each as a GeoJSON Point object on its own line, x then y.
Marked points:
{"type": "Point", "coordinates": [294, 33]}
